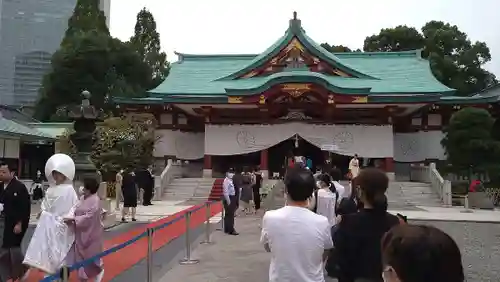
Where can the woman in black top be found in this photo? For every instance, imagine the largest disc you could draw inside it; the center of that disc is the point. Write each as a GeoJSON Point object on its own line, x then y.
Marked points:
{"type": "Point", "coordinates": [129, 192]}
{"type": "Point", "coordinates": [256, 188]}
{"type": "Point", "coordinates": [357, 239]}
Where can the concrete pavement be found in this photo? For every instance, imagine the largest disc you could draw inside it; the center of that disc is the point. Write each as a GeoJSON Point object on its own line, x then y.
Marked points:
{"type": "Point", "coordinates": [232, 258]}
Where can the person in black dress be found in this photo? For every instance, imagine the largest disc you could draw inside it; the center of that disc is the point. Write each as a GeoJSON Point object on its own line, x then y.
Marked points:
{"type": "Point", "coordinates": [38, 186]}
{"type": "Point", "coordinates": [15, 204]}
{"type": "Point", "coordinates": [256, 188]}
{"type": "Point", "coordinates": [129, 192]}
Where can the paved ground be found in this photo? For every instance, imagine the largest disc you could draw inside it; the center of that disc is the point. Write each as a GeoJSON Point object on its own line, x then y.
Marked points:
{"type": "Point", "coordinates": [242, 259]}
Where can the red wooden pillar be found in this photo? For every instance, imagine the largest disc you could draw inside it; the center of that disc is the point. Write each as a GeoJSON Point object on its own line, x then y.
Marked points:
{"type": "Point", "coordinates": [389, 165]}
{"type": "Point", "coordinates": [207, 162]}
{"type": "Point", "coordinates": [264, 159]}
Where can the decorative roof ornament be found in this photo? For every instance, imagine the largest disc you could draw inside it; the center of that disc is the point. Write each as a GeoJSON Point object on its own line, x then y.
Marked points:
{"type": "Point", "coordinates": [295, 115]}
{"type": "Point", "coordinates": [295, 23]}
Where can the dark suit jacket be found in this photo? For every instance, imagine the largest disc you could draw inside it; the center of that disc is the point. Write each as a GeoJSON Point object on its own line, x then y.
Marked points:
{"type": "Point", "coordinates": [16, 208]}
{"type": "Point", "coordinates": [144, 179]}
{"type": "Point", "coordinates": [238, 184]}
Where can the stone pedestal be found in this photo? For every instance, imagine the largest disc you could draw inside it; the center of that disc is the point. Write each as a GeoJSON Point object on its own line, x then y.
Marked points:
{"type": "Point", "coordinates": [110, 218]}
{"type": "Point", "coordinates": [106, 204]}
{"type": "Point", "coordinates": [265, 173]}
{"type": "Point", "coordinates": [207, 173]}
{"type": "Point", "coordinates": [391, 176]}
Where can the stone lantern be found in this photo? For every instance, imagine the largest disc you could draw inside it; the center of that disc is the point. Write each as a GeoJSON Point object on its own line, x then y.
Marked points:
{"type": "Point", "coordinates": [84, 118]}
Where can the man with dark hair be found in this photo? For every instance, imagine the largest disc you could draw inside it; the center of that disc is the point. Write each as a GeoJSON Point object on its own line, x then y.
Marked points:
{"type": "Point", "coordinates": [229, 202]}
{"type": "Point", "coordinates": [297, 237]}
{"type": "Point", "coordinates": [15, 204]}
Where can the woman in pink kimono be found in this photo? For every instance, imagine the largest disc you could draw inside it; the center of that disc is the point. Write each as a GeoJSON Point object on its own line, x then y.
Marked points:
{"type": "Point", "coordinates": [88, 227]}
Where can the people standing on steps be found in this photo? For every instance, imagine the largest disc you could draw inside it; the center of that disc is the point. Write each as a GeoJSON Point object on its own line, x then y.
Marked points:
{"type": "Point", "coordinates": [229, 201]}
{"type": "Point", "coordinates": [129, 192]}
{"type": "Point", "coordinates": [15, 208]}
{"type": "Point", "coordinates": [52, 239]}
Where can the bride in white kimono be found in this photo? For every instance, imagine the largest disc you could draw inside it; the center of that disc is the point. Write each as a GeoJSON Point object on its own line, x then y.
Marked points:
{"type": "Point", "coordinates": [53, 238]}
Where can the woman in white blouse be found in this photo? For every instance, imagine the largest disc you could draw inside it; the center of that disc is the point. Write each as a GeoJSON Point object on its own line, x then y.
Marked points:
{"type": "Point", "coordinates": [324, 200]}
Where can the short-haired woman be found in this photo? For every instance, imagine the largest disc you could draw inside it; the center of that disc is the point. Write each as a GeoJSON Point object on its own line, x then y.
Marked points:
{"type": "Point", "coordinates": [89, 229]}
{"type": "Point", "coordinates": [417, 253]}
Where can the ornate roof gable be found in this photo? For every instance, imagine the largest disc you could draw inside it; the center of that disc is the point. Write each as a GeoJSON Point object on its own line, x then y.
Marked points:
{"type": "Point", "coordinates": [296, 51]}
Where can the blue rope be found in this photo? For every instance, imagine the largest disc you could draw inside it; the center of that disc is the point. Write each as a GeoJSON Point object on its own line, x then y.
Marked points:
{"type": "Point", "coordinates": [116, 248]}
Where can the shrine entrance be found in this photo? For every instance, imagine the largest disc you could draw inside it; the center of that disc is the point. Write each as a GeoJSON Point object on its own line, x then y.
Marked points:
{"type": "Point", "coordinates": [281, 153]}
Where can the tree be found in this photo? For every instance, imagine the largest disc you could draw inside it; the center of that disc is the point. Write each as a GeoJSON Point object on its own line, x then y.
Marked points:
{"type": "Point", "coordinates": [335, 48]}
{"type": "Point", "coordinates": [86, 17]}
{"type": "Point", "coordinates": [95, 62]}
{"type": "Point", "coordinates": [454, 59]}
{"type": "Point", "coordinates": [400, 38]}
{"type": "Point", "coordinates": [120, 143]}
{"type": "Point", "coordinates": [469, 143]}
{"type": "Point", "coordinates": [146, 41]}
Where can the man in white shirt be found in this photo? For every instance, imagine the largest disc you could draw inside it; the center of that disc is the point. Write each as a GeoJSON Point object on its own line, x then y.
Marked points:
{"type": "Point", "coordinates": [230, 200]}
{"type": "Point", "coordinates": [296, 237]}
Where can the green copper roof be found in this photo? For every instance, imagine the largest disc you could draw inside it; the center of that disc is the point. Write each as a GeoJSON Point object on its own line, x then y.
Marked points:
{"type": "Point", "coordinates": [9, 128]}
{"type": "Point", "coordinates": [488, 95]}
{"type": "Point", "coordinates": [205, 78]}
{"type": "Point", "coordinates": [392, 72]}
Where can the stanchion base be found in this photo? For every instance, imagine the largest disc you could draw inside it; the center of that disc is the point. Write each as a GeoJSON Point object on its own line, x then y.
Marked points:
{"type": "Point", "coordinates": [467, 211]}
{"type": "Point", "coordinates": [188, 261]}
{"type": "Point", "coordinates": [207, 242]}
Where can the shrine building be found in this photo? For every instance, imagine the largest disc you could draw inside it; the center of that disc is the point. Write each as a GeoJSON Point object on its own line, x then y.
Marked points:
{"type": "Point", "coordinates": [296, 98]}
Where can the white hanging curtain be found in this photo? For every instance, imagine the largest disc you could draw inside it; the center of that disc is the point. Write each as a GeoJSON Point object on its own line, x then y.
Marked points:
{"type": "Point", "coordinates": [226, 140]}
{"type": "Point", "coordinates": [183, 145]}
{"type": "Point", "coordinates": [366, 141]}
{"type": "Point", "coordinates": [418, 146]}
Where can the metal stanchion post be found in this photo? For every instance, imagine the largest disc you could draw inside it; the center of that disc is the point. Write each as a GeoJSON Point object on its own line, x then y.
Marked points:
{"type": "Point", "coordinates": [222, 214]}
{"type": "Point", "coordinates": [207, 225]}
{"type": "Point", "coordinates": [188, 260]}
{"type": "Point", "coordinates": [64, 274]}
{"type": "Point", "coordinates": [466, 205]}
{"type": "Point", "coordinates": [149, 257]}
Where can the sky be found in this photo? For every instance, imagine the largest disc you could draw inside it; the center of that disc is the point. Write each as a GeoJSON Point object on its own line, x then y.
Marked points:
{"type": "Point", "coordinates": [249, 27]}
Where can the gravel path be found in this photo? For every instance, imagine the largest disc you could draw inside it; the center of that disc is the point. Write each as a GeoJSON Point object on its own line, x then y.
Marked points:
{"type": "Point", "coordinates": [480, 246]}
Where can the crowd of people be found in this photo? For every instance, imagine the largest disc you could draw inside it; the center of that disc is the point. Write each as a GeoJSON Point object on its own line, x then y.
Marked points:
{"type": "Point", "coordinates": [241, 186]}
{"type": "Point", "coordinates": [326, 229]}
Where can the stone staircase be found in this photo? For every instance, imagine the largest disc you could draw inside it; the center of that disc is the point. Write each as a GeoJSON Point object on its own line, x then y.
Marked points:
{"type": "Point", "coordinates": [409, 195]}
{"type": "Point", "coordinates": [189, 189]}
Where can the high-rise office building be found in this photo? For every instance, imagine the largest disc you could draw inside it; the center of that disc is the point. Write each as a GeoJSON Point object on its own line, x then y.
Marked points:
{"type": "Point", "coordinates": [30, 32]}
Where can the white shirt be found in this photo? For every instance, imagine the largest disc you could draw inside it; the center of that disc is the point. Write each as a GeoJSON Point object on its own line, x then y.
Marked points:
{"type": "Point", "coordinates": [326, 205]}
{"type": "Point", "coordinates": [341, 190]}
{"type": "Point", "coordinates": [297, 238]}
{"type": "Point", "coordinates": [228, 188]}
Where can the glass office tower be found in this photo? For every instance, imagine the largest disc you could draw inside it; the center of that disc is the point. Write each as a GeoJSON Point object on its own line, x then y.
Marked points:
{"type": "Point", "coordinates": [30, 32]}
